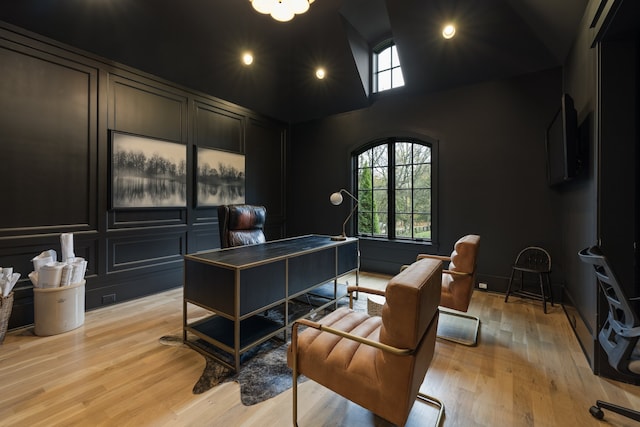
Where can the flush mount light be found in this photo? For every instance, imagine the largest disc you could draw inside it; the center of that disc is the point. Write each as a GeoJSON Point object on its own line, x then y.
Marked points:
{"type": "Point", "coordinates": [281, 10]}
{"type": "Point", "coordinates": [448, 31]}
{"type": "Point", "coordinates": [247, 58]}
{"type": "Point", "coordinates": [320, 73]}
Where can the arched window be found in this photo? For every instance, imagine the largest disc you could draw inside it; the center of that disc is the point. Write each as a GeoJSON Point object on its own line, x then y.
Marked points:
{"type": "Point", "coordinates": [394, 184]}
{"type": "Point", "coordinates": [387, 73]}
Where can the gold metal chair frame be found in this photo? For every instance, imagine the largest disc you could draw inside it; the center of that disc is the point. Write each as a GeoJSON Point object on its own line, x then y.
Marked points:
{"type": "Point", "coordinates": [384, 347]}
{"type": "Point", "coordinates": [451, 312]}
{"type": "Point", "coordinates": [456, 313]}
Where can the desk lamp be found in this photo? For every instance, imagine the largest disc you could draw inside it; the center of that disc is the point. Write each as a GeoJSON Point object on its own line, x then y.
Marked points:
{"type": "Point", "coordinates": [336, 199]}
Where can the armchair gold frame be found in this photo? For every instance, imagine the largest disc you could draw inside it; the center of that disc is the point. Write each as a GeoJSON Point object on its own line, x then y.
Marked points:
{"type": "Point", "coordinates": [456, 313]}
{"type": "Point", "coordinates": [384, 347]}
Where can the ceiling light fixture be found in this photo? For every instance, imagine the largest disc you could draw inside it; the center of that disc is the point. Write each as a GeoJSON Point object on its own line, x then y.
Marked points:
{"type": "Point", "coordinates": [281, 10]}
{"type": "Point", "coordinates": [320, 73]}
{"type": "Point", "coordinates": [448, 31]}
{"type": "Point", "coordinates": [247, 58]}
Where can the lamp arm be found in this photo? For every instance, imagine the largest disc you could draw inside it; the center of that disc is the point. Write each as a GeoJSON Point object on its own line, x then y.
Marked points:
{"type": "Point", "coordinates": [349, 194]}
{"type": "Point", "coordinates": [344, 224]}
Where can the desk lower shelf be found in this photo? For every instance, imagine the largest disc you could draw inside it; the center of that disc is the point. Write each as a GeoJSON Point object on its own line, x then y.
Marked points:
{"type": "Point", "coordinates": [216, 334]}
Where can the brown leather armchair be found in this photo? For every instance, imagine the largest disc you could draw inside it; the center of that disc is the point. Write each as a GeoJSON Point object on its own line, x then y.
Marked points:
{"type": "Point", "coordinates": [458, 282]}
{"type": "Point", "coordinates": [241, 225]}
{"type": "Point", "coordinates": [377, 362]}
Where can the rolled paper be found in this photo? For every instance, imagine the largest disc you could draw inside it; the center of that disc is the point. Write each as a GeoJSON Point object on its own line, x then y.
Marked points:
{"type": "Point", "coordinates": [79, 269]}
{"type": "Point", "coordinates": [67, 272]}
{"type": "Point", "coordinates": [49, 275]}
{"type": "Point", "coordinates": [44, 258]}
{"type": "Point", "coordinates": [66, 243]}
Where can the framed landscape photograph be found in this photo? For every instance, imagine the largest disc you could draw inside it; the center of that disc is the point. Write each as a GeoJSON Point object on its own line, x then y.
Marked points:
{"type": "Point", "coordinates": [220, 177]}
{"type": "Point", "coordinates": [147, 172]}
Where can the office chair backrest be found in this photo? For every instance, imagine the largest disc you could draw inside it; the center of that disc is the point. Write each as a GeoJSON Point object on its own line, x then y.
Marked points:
{"type": "Point", "coordinates": [241, 225]}
{"type": "Point", "coordinates": [620, 333]}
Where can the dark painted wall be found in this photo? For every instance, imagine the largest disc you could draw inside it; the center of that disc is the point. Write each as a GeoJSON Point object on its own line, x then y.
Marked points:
{"type": "Point", "coordinates": [491, 179]}
{"type": "Point", "coordinates": [603, 74]}
{"type": "Point", "coordinates": [58, 107]}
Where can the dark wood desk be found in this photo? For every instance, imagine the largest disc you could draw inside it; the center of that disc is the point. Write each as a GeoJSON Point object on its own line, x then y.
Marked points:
{"type": "Point", "coordinates": [237, 285]}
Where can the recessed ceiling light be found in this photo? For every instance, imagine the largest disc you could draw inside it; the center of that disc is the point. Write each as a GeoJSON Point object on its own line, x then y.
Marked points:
{"type": "Point", "coordinates": [247, 58]}
{"type": "Point", "coordinates": [448, 31]}
{"type": "Point", "coordinates": [320, 73]}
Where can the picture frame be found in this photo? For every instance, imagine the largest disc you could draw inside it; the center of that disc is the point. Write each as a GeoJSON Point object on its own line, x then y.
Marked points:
{"type": "Point", "coordinates": [147, 172]}
{"type": "Point", "coordinates": [220, 177]}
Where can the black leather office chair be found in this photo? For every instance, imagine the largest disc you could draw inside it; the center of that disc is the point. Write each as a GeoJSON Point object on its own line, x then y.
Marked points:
{"type": "Point", "coordinates": [241, 225]}
{"type": "Point", "coordinates": [620, 334]}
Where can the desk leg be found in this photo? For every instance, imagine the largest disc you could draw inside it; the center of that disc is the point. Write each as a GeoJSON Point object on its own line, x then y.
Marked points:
{"type": "Point", "coordinates": [184, 320]}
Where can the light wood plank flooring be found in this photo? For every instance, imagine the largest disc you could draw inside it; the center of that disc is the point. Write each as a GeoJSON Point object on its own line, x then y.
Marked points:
{"type": "Point", "coordinates": [528, 370]}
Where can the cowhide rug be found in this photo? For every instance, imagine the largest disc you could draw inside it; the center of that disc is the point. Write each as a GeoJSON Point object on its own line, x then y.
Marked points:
{"type": "Point", "coordinates": [263, 375]}
{"type": "Point", "coordinates": [264, 372]}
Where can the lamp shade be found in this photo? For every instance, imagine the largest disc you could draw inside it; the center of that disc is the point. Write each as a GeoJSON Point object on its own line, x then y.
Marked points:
{"type": "Point", "coordinates": [336, 198]}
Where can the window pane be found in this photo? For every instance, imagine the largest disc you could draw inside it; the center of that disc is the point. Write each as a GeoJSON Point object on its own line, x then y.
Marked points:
{"type": "Point", "coordinates": [380, 200]}
{"type": "Point", "coordinates": [404, 201]}
{"type": "Point", "coordinates": [398, 78]}
{"type": "Point", "coordinates": [403, 225]}
{"type": "Point", "coordinates": [422, 227]}
{"type": "Point", "coordinates": [364, 159]}
{"type": "Point", "coordinates": [384, 59]}
{"type": "Point", "coordinates": [421, 153]}
{"type": "Point", "coordinates": [422, 176]}
{"type": "Point", "coordinates": [403, 177]}
{"type": "Point", "coordinates": [379, 154]}
{"type": "Point", "coordinates": [382, 221]}
{"type": "Point", "coordinates": [380, 178]}
{"type": "Point", "coordinates": [384, 80]}
{"type": "Point", "coordinates": [365, 225]}
{"type": "Point", "coordinates": [421, 201]}
{"type": "Point", "coordinates": [395, 60]}
{"type": "Point", "coordinates": [403, 153]}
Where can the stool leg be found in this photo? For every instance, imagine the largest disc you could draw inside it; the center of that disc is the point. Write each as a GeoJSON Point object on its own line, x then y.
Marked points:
{"type": "Point", "coordinates": [544, 298]}
{"type": "Point", "coordinates": [506, 298]}
{"type": "Point", "coordinates": [549, 288]}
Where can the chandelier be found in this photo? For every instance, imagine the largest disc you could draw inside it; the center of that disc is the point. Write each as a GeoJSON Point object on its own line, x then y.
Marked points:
{"type": "Point", "coordinates": [281, 10]}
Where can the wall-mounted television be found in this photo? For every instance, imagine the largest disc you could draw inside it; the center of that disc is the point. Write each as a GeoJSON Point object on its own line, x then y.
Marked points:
{"type": "Point", "coordinates": [562, 143]}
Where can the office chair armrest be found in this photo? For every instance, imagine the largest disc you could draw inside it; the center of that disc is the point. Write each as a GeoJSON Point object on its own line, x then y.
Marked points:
{"type": "Point", "coordinates": [438, 257]}
{"type": "Point", "coordinates": [343, 334]}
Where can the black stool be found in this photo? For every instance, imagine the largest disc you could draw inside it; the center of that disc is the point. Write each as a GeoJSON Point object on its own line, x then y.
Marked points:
{"type": "Point", "coordinates": [532, 260]}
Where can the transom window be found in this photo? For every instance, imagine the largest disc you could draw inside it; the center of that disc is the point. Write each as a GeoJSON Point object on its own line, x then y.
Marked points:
{"type": "Point", "coordinates": [394, 185]}
{"type": "Point", "coordinates": [387, 73]}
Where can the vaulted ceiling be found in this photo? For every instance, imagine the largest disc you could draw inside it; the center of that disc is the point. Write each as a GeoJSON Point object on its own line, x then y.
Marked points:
{"type": "Point", "coordinates": [198, 44]}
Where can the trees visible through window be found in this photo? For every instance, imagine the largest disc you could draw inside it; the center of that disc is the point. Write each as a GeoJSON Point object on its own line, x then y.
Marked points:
{"type": "Point", "coordinates": [394, 190]}
{"type": "Point", "coordinates": [387, 73]}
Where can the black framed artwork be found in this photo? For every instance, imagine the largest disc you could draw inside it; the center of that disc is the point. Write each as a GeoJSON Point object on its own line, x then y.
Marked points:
{"type": "Point", "coordinates": [220, 177]}
{"type": "Point", "coordinates": [147, 172]}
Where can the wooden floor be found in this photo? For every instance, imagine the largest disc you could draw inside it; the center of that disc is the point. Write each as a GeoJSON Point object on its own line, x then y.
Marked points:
{"type": "Point", "coordinates": [528, 370]}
